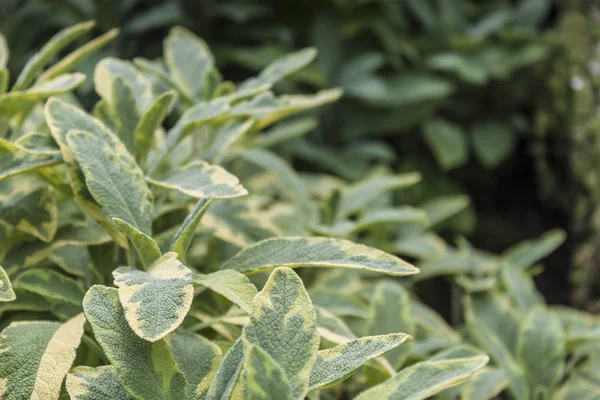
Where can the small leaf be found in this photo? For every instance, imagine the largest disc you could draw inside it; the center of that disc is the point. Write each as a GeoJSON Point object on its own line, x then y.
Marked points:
{"type": "Point", "coordinates": [234, 286]}
{"type": "Point", "coordinates": [281, 67]}
{"type": "Point", "coordinates": [221, 387]}
{"type": "Point", "coordinates": [336, 364]}
{"type": "Point", "coordinates": [51, 285]}
{"type": "Point", "coordinates": [527, 253]}
{"type": "Point", "coordinates": [492, 143]}
{"type": "Point", "coordinates": [148, 370]}
{"type": "Point", "coordinates": [156, 301]}
{"type": "Point", "coordinates": [6, 290]}
{"type": "Point", "coordinates": [198, 358]}
{"type": "Point", "coordinates": [100, 383]}
{"type": "Point", "coordinates": [114, 179]}
{"type": "Point", "coordinates": [36, 356]}
{"type": "Point", "coordinates": [296, 252]}
{"type": "Point", "coordinates": [265, 378]}
{"type": "Point", "coordinates": [283, 325]}
{"type": "Point", "coordinates": [146, 247]}
{"type": "Point", "coordinates": [37, 143]}
{"type": "Point", "coordinates": [425, 379]}
{"type": "Point", "coordinates": [184, 235]}
{"type": "Point", "coordinates": [447, 142]}
{"type": "Point", "coordinates": [151, 120]}
{"type": "Point", "coordinates": [31, 211]}
{"type": "Point", "coordinates": [200, 179]}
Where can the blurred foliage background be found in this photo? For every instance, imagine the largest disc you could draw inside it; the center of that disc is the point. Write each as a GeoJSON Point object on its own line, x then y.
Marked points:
{"type": "Point", "coordinates": [496, 100]}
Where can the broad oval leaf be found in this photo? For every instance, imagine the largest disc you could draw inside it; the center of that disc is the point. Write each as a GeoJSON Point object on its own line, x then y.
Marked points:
{"type": "Point", "coordinates": [232, 285]}
{"type": "Point", "coordinates": [35, 357]}
{"type": "Point", "coordinates": [425, 379]}
{"type": "Point", "coordinates": [155, 301]}
{"type": "Point", "coordinates": [6, 291]}
{"type": "Point", "coordinates": [221, 387]}
{"type": "Point", "coordinates": [100, 383]}
{"type": "Point", "coordinates": [296, 252]}
{"type": "Point", "coordinates": [147, 370]}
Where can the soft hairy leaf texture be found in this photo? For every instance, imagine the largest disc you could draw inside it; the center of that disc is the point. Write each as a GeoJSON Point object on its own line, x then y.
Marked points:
{"type": "Point", "coordinates": [31, 211]}
{"type": "Point", "coordinates": [296, 252]}
{"type": "Point", "coordinates": [184, 235]}
{"type": "Point", "coordinates": [231, 284]}
{"type": "Point", "coordinates": [147, 370]}
{"type": "Point", "coordinates": [100, 383]}
{"type": "Point", "coordinates": [284, 325]}
{"type": "Point", "coordinates": [51, 285]}
{"type": "Point", "coordinates": [155, 301]}
{"type": "Point", "coordinates": [227, 375]}
{"type": "Point", "coordinates": [6, 290]}
{"type": "Point", "coordinates": [35, 357]}
{"type": "Point", "coordinates": [146, 247]}
{"type": "Point", "coordinates": [265, 378]}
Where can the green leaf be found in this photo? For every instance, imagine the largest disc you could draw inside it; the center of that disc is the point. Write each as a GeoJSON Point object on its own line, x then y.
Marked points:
{"type": "Point", "coordinates": [125, 113]}
{"type": "Point", "coordinates": [35, 357]}
{"type": "Point", "coordinates": [25, 301]}
{"type": "Point", "coordinates": [51, 285]}
{"type": "Point", "coordinates": [4, 80]}
{"type": "Point", "coordinates": [296, 252]}
{"type": "Point", "coordinates": [37, 143]}
{"type": "Point", "coordinates": [447, 142]}
{"type": "Point", "coordinates": [189, 61]}
{"type": "Point", "coordinates": [336, 364]}
{"type": "Point", "coordinates": [234, 286]}
{"type": "Point", "coordinates": [521, 288]}
{"type": "Point", "coordinates": [527, 253]}
{"type": "Point", "coordinates": [541, 348]}
{"type": "Point", "coordinates": [6, 291]}
{"type": "Point", "coordinates": [147, 370]}
{"type": "Point", "coordinates": [492, 143]}
{"type": "Point", "coordinates": [31, 211]}
{"type": "Point", "coordinates": [284, 325]}
{"type": "Point", "coordinates": [487, 383]}
{"type": "Point", "coordinates": [425, 379]}
{"type": "Point", "coordinates": [151, 120]}
{"type": "Point", "coordinates": [146, 247]}
{"type": "Point", "coordinates": [184, 235]}
{"type": "Point", "coordinates": [110, 69]}
{"type": "Point", "coordinates": [221, 387]}
{"type": "Point", "coordinates": [14, 161]}
{"type": "Point", "coordinates": [114, 179]}
{"type": "Point", "coordinates": [198, 358]}
{"type": "Point", "coordinates": [265, 378]}
{"type": "Point", "coordinates": [156, 301]}
{"type": "Point", "coordinates": [4, 52]}
{"type": "Point", "coordinates": [58, 42]}
{"type": "Point", "coordinates": [200, 179]}
{"type": "Point", "coordinates": [100, 383]}
{"type": "Point", "coordinates": [339, 303]}
{"type": "Point", "coordinates": [73, 59]}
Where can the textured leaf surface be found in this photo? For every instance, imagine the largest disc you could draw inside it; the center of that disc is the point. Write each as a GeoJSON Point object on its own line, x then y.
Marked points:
{"type": "Point", "coordinates": [338, 363]}
{"type": "Point", "coordinates": [51, 285]}
{"type": "Point", "coordinates": [284, 325]}
{"type": "Point", "coordinates": [36, 356]}
{"type": "Point", "coordinates": [101, 383]}
{"type": "Point", "coordinates": [14, 161]}
{"type": "Point", "coordinates": [221, 387]}
{"type": "Point", "coordinates": [37, 143]}
{"type": "Point", "coordinates": [156, 301]}
{"type": "Point", "coordinates": [6, 291]}
{"type": "Point", "coordinates": [425, 379]}
{"type": "Point", "coordinates": [184, 235]}
{"type": "Point", "coordinates": [147, 370]}
{"type": "Point", "coordinates": [200, 179]}
{"type": "Point", "coordinates": [146, 247]}
{"type": "Point", "coordinates": [151, 120]}
{"type": "Point", "coordinates": [265, 378]}
{"type": "Point", "coordinates": [316, 252]}
{"type": "Point", "coordinates": [31, 211]}
{"type": "Point", "coordinates": [114, 179]}
{"type": "Point", "coordinates": [231, 284]}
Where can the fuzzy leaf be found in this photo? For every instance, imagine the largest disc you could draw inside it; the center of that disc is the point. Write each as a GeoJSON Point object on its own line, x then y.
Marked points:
{"type": "Point", "coordinates": [156, 301]}
{"type": "Point", "coordinates": [100, 383]}
{"type": "Point", "coordinates": [37, 143]}
{"type": "Point", "coordinates": [221, 387]}
{"type": "Point", "coordinates": [36, 356]}
{"type": "Point", "coordinates": [200, 179]}
{"type": "Point", "coordinates": [232, 285]}
{"type": "Point", "coordinates": [151, 120]}
{"type": "Point", "coordinates": [296, 252]}
{"type": "Point", "coordinates": [147, 370]}
{"type": "Point", "coordinates": [265, 378]}
{"type": "Point", "coordinates": [184, 235]}
{"type": "Point", "coordinates": [15, 161]}
{"type": "Point", "coordinates": [51, 285]}
{"type": "Point", "coordinates": [146, 247]}
{"type": "Point", "coordinates": [6, 291]}
{"type": "Point", "coordinates": [425, 379]}
{"type": "Point", "coordinates": [336, 364]}
{"type": "Point", "coordinates": [110, 69]}
{"type": "Point", "coordinates": [284, 325]}
{"type": "Point", "coordinates": [31, 211]}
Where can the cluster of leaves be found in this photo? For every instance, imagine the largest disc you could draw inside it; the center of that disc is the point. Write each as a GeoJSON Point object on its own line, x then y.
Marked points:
{"type": "Point", "coordinates": [130, 217]}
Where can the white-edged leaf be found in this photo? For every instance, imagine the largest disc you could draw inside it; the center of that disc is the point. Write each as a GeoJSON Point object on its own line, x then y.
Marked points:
{"type": "Point", "coordinates": [223, 384]}
{"type": "Point", "coordinates": [100, 383]}
{"type": "Point", "coordinates": [146, 247]}
{"type": "Point", "coordinates": [233, 285]}
{"type": "Point", "coordinates": [265, 378]}
{"type": "Point", "coordinates": [31, 210]}
{"type": "Point", "coordinates": [6, 291]}
{"type": "Point", "coordinates": [184, 235]}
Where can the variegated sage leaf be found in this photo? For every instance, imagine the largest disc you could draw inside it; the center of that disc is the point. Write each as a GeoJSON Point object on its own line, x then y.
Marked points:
{"type": "Point", "coordinates": [485, 384]}
{"type": "Point", "coordinates": [265, 379]}
{"type": "Point", "coordinates": [200, 179]}
{"type": "Point", "coordinates": [155, 301]}
{"type": "Point", "coordinates": [6, 291]}
{"type": "Point", "coordinates": [51, 285]}
{"type": "Point", "coordinates": [283, 324]}
{"type": "Point", "coordinates": [110, 69]}
{"type": "Point", "coordinates": [35, 357]}
{"type": "Point", "coordinates": [151, 120]}
{"type": "Point", "coordinates": [114, 179]}
{"type": "Point", "coordinates": [184, 235]}
{"type": "Point", "coordinates": [223, 384]}
{"type": "Point", "coordinates": [125, 114]}
{"type": "Point", "coordinates": [198, 358]}
{"type": "Point", "coordinates": [25, 301]}
{"type": "Point", "coordinates": [31, 210]}
{"type": "Point", "coordinates": [296, 252]}
{"type": "Point", "coordinates": [189, 61]}
{"type": "Point", "coordinates": [100, 383]}
{"type": "Point", "coordinates": [37, 143]}
{"type": "Point", "coordinates": [336, 364]}
{"type": "Point", "coordinates": [425, 379]}
{"type": "Point", "coordinates": [232, 285]}
{"type": "Point", "coordinates": [542, 348]}
{"type": "Point", "coordinates": [147, 370]}
{"type": "Point", "coordinates": [146, 247]}
{"type": "Point", "coordinates": [14, 161]}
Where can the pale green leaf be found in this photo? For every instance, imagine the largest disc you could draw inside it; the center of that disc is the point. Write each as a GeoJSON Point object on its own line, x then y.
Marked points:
{"type": "Point", "coordinates": [492, 143]}
{"type": "Point", "coordinates": [4, 80]}
{"type": "Point", "coordinates": [100, 383]}
{"type": "Point", "coordinates": [35, 357]}
{"type": "Point", "coordinates": [51, 285]}
{"type": "Point", "coordinates": [150, 121]}
{"type": "Point", "coordinates": [156, 301]}
{"type": "Point", "coordinates": [6, 291]}
{"type": "Point", "coordinates": [527, 253]}
{"type": "Point", "coordinates": [336, 364]}
{"type": "Point", "coordinates": [487, 383]}
{"type": "Point", "coordinates": [447, 142]}
{"type": "Point", "coordinates": [332, 328]}
{"type": "Point", "coordinates": [31, 211]}
{"type": "Point", "coordinates": [521, 288]}
{"type": "Point", "coordinates": [296, 252]}
{"type": "Point", "coordinates": [110, 69]}
{"type": "Point", "coordinates": [234, 286]}
{"type": "Point", "coordinates": [146, 247]}
{"type": "Point", "coordinates": [223, 384]}
{"type": "Point", "coordinates": [425, 379]}
{"type": "Point", "coordinates": [339, 303]}
{"type": "Point", "coordinates": [125, 113]}
{"type": "Point", "coordinates": [147, 370]}
{"type": "Point", "coordinates": [14, 161]}
{"type": "Point", "coordinates": [184, 235]}
{"type": "Point", "coordinates": [265, 378]}
{"type": "Point", "coordinates": [37, 143]}
{"type": "Point", "coordinates": [4, 52]}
